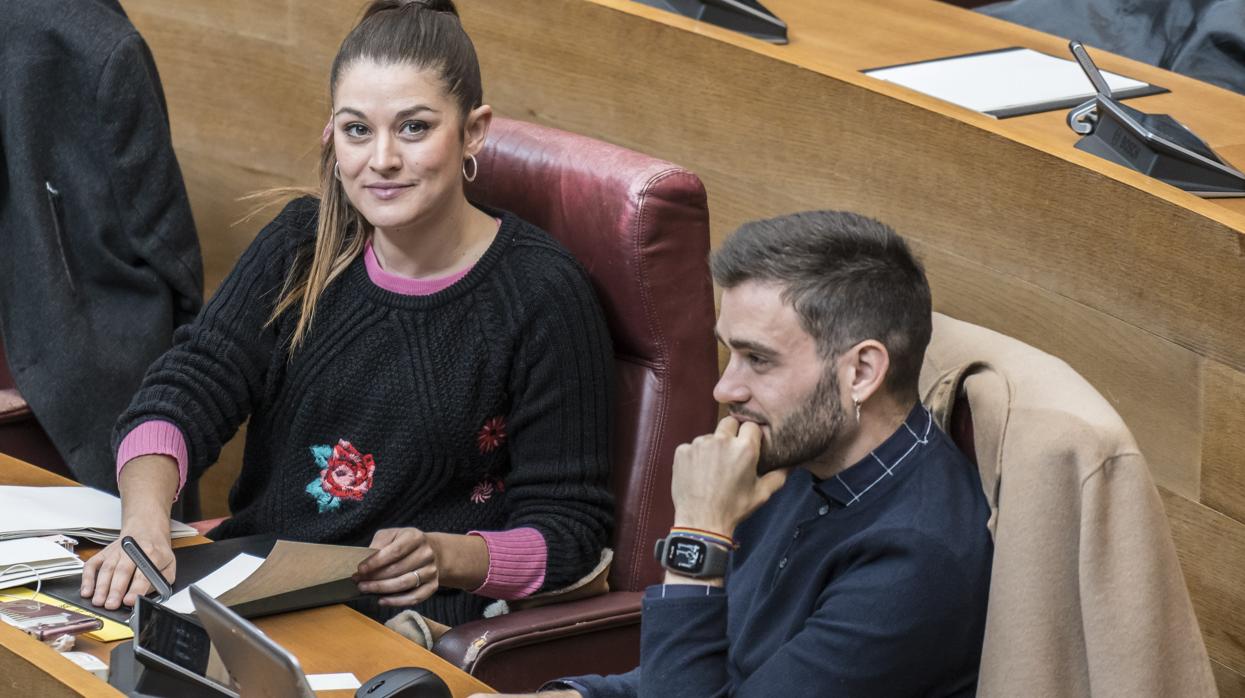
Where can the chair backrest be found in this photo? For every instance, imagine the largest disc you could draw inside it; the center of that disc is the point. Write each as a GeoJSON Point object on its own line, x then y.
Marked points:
{"type": "Point", "coordinates": [640, 227]}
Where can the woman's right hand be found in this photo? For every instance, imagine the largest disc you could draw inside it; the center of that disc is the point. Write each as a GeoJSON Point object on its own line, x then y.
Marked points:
{"type": "Point", "coordinates": [110, 577]}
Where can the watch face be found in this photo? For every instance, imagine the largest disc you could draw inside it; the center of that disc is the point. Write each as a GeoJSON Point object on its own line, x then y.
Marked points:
{"type": "Point", "coordinates": [685, 554]}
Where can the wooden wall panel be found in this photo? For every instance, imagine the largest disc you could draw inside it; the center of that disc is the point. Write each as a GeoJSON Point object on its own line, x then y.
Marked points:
{"type": "Point", "coordinates": [1230, 683]}
{"type": "Point", "coordinates": [1223, 441]}
{"type": "Point", "coordinates": [1128, 365]}
{"type": "Point", "coordinates": [269, 20]}
{"type": "Point", "coordinates": [1211, 547]}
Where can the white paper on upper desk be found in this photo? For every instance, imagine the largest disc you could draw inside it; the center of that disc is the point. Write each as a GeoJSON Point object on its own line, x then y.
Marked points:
{"type": "Point", "coordinates": [226, 577]}
{"type": "Point", "coordinates": [999, 80]}
{"type": "Point", "coordinates": [30, 511]}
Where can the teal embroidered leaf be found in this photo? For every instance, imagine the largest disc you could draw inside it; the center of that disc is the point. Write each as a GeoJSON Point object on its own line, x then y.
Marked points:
{"type": "Point", "coordinates": [322, 454]}
{"type": "Point", "coordinates": [324, 500]}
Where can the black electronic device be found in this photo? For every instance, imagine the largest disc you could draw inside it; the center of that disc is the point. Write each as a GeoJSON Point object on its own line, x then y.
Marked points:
{"type": "Point", "coordinates": [404, 682]}
{"type": "Point", "coordinates": [691, 556]}
{"type": "Point", "coordinates": [744, 16]}
{"type": "Point", "coordinates": [137, 681]}
{"type": "Point", "coordinates": [148, 569]}
{"type": "Point", "coordinates": [176, 654]}
{"type": "Point", "coordinates": [1153, 144]}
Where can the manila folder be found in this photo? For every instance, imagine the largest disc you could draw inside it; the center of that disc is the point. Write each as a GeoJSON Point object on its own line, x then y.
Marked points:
{"type": "Point", "coordinates": [297, 575]}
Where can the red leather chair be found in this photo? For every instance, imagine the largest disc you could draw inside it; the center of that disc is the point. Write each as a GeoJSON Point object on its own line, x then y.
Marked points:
{"type": "Point", "coordinates": [640, 227]}
{"type": "Point", "coordinates": [21, 436]}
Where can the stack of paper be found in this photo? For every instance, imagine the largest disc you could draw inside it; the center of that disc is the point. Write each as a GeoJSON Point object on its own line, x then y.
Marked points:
{"type": "Point", "coordinates": [29, 559]}
{"type": "Point", "coordinates": [80, 512]}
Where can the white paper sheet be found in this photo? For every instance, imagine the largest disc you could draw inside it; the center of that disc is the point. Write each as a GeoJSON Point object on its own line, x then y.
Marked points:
{"type": "Point", "coordinates": [333, 682]}
{"type": "Point", "coordinates": [226, 577]}
{"type": "Point", "coordinates": [1000, 80]}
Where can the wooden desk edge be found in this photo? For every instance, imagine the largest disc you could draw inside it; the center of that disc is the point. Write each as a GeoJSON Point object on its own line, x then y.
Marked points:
{"type": "Point", "coordinates": [829, 69]}
{"type": "Point", "coordinates": [28, 664]}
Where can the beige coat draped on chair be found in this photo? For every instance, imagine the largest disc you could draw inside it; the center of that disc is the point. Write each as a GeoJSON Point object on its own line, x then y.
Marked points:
{"type": "Point", "coordinates": [1087, 597]}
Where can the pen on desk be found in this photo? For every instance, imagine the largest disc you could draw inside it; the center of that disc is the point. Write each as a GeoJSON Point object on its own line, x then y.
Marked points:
{"type": "Point", "coordinates": [148, 568]}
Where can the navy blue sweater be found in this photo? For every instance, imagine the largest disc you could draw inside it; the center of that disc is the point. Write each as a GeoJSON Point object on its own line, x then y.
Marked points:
{"type": "Point", "coordinates": [871, 583]}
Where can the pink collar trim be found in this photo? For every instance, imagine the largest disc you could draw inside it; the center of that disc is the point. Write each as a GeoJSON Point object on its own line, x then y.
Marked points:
{"type": "Point", "coordinates": [405, 285]}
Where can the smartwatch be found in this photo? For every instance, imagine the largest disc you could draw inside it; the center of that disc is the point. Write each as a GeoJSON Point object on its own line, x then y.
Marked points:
{"type": "Point", "coordinates": [692, 557]}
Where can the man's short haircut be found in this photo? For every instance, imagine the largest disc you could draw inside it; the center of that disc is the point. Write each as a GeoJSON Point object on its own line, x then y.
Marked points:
{"type": "Point", "coordinates": [848, 277]}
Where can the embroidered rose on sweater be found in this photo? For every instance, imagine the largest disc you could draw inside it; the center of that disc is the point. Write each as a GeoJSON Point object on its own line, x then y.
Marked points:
{"type": "Point", "coordinates": [483, 491]}
{"type": "Point", "coordinates": [492, 435]}
{"type": "Point", "coordinates": [345, 473]}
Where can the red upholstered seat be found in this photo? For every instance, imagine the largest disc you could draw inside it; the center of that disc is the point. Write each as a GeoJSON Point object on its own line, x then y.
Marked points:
{"type": "Point", "coordinates": [21, 436]}
{"type": "Point", "coordinates": [640, 227]}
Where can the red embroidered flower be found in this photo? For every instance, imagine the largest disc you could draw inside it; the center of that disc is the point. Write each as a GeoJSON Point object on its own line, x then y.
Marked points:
{"type": "Point", "coordinates": [349, 473]}
{"type": "Point", "coordinates": [492, 435]}
{"type": "Point", "coordinates": [483, 491]}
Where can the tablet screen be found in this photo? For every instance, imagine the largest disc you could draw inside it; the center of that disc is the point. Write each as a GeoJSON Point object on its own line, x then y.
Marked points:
{"type": "Point", "coordinates": [176, 641]}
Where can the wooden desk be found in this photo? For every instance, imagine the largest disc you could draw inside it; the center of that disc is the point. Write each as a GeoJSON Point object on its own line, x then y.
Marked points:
{"type": "Point", "coordinates": [326, 640]}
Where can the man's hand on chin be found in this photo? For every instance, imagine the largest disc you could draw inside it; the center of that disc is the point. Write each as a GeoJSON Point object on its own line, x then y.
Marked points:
{"type": "Point", "coordinates": [715, 484]}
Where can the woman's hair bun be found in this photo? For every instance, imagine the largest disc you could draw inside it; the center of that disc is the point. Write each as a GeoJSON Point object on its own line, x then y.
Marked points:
{"type": "Point", "coordinates": [446, 6]}
{"type": "Point", "coordinates": [437, 5]}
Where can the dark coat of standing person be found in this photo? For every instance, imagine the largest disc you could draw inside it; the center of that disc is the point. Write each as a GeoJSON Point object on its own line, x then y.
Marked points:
{"type": "Point", "coordinates": [100, 255]}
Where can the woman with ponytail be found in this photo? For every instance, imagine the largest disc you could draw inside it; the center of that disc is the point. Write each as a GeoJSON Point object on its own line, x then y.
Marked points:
{"type": "Point", "coordinates": [423, 375]}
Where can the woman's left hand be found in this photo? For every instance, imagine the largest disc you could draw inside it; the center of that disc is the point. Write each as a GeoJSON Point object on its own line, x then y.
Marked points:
{"type": "Point", "coordinates": [403, 570]}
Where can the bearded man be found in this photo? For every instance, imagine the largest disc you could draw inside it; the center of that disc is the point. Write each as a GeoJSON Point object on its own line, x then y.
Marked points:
{"type": "Point", "coordinates": [830, 539]}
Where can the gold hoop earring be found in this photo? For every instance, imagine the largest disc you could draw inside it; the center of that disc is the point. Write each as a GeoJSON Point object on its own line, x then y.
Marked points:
{"type": "Point", "coordinates": [475, 168]}
{"type": "Point", "coordinates": [336, 172]}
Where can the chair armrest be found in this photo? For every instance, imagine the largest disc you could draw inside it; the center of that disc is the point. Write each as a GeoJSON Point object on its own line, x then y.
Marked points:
{"type": "Point", "coordinates": [13, 407]}
{"type": "Point", "coordinates": [519, 651]}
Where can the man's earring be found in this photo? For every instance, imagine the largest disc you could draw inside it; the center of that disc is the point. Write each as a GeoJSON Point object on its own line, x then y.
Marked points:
{"type": "Point", "coordinates": [475, 168]}
{"type": "Point", "coordinates": [857, 404]}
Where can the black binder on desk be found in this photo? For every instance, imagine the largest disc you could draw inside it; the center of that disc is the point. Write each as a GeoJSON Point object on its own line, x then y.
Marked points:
{"type": "Point", "coordinates": [194, 562]}
{"type": "Point", "coordinates": [197, 561]}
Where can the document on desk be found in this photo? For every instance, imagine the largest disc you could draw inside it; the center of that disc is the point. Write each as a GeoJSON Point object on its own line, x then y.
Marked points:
{"type": "Point", "coordinates": [30, 559]}
{"type": "Point", "coordinates": [1007, 82]}
{"type": "Point", "coordinates": [81, 512]}
{"type": "Point", "coordinates": [293, 576]}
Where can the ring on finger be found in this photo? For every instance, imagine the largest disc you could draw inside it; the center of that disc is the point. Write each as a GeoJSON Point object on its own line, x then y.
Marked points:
{"type": "Point", "coordinates": [419, 581]}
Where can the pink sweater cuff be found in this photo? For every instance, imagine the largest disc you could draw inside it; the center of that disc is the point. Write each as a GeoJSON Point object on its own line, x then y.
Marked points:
{"type": "Point", "coordinates": [156, 437]}
{"type": "Point", "coordinates": [516, 563]}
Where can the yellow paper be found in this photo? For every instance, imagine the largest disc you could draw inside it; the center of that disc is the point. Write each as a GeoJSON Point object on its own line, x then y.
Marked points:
{"type": "Point", "coordinates": [111, 631]}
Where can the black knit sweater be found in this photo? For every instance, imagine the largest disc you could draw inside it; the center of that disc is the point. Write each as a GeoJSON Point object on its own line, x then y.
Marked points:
{"type": "Point", "coordinates": [483, 406]}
